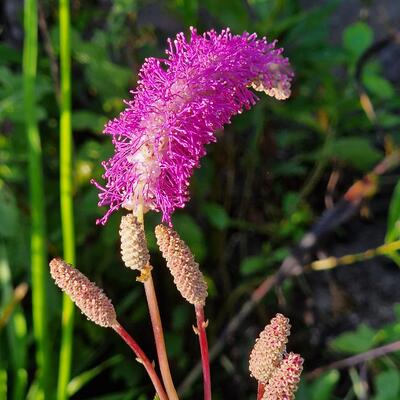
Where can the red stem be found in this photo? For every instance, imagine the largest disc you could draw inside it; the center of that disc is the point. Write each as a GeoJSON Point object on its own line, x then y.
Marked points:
{"type": "Point", "coordinates": [143, 359]}
{"type": "Point", "coordinates": [260, 391]}
{"type": "Point", "coordinates": [205, 362]}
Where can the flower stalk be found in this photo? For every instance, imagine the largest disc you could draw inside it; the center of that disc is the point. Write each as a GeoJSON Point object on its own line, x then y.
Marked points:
{"type": "Point", "coordinates": [158, 332]}
{"type": "Point", "coordinates": [205, 362]}
{"type": "Point", "coordinates": [190, 283]}
{"type": "Point", "coordinates": [260, 391]}
{"type": "Point", "coordinates": [98, 308]}
{"type": "Point", "coordinates": [159, 337]}
{"type": "Point", "coordinates": [143, 359]}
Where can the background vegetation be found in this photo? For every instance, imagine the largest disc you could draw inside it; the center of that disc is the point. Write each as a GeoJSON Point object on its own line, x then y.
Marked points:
{"type": "Point", "coordinates": [267, 182]}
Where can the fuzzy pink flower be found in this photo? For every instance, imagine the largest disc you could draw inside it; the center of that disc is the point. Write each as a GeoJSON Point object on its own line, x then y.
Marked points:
{"type": "Point", "coordinates": [178, 105]}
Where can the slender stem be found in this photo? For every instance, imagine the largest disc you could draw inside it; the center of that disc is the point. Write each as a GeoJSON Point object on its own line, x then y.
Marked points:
{"type": "Point", "coordinates": [16, 297]}
{"type": "Point", "coordinates": [66, 195]}
{"type": "Point", "coordinates": [157, 325]}
{"type": "Point", "coordinates": [319, 166]}
{"type": "Point", "coordinates": [143, 359]}
{"type": "Point", "coordinates": [159, 338]}
{"type": "Point", "coordinates": [205, 362]}
{"type": "Point", "coordinates": [357, 359]}
{"type": "Point", "coordinates": [38, 234]}
{"type": "Point", "coordinates": [332, 262]}
{"type": "Point", "coordinates": [260, 391]}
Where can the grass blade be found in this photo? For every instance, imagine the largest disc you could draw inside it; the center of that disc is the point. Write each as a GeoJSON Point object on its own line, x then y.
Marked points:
{"type": "Point", "coordinates": [66, 195]}
{"type": "Point", "coordinates": [85, 377]}
{"type": "Point", "coordinates": [16, 329]}
{"type": "Point", "coordinates": [38, 235]}
{"type": "Point", "coordinates": [3, 384]}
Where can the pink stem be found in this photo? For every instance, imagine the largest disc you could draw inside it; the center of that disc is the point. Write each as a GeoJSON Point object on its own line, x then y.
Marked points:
{"type": "Point", "coordinates": [159, 338]}
{"type": "Point", "coordinates": [260, 391]}
{"type": "Point", "coordinates": [143, 359]}
{"type": "Point", "coordinates": [205, 362]}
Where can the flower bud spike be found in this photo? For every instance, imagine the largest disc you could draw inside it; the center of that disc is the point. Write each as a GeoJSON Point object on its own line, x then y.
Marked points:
{"type": "Point", "coordinates": [134, 251]}
{"type": "Point", "coordinates": [284, 381]}
{"type": "Point", "coordinates": [268, 350]}
{"type": "Point", "coordinates": [90, 299]}
{"type": "Point", "coordinates": [187, 276]}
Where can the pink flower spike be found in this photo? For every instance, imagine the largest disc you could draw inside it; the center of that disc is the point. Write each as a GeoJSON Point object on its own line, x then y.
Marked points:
{"type": "Point", "coordinates": [178, 105]}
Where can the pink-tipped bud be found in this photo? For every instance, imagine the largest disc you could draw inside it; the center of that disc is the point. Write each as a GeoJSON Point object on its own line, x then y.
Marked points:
{"type": "Point", "coordinates": [134, 251]}
{"type": "Point", "coordinates": [285, 380]}
{"type": "Point", "coordinates": [85, 294]}
{"type": "Point", "coordinates": [268, 350]}
{"type": "Point", "coordinates": [187, 276]}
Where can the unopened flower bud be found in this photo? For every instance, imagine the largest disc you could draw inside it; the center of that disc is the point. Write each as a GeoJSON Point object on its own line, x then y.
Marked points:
{"type": "Point", "coordinates": [268, 350]}
{"type": "Point", "coordinates": [187, 276]}
{"type": "Point", "coordinates": [134, 251]}
{"type": "Point", "coordinates": [285, 380]}
{"type": "Point", "coordinates": [85, 294]}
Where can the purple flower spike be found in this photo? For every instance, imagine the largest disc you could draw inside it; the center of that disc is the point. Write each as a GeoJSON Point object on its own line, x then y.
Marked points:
{"type": "Point", "coordinates": [180, 102]}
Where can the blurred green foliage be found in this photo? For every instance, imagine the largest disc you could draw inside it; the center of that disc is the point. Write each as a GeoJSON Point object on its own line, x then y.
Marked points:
{"type": "Point", "coordinates": [258, 191]}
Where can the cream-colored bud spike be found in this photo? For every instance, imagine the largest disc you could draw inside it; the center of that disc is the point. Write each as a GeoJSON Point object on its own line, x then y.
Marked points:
{"type": "Point", "coordinates": [285, 380]}
{"type": "Point", "coordinates": [85, 294]}
{"type": "Point", "coordinates": [134, 251]}
{"type": "Point", "coordinates": [268, 350]}
{"type": "Point", "coordinates": [187, 276]}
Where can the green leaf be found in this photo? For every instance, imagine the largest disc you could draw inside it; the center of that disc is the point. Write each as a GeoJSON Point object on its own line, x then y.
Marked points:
{"type": "Point", "coordinates": [251, 265]}
{"type": "Point", "coordinates": [388, 120]}
{"type": "Point", "coordinates": [356, 151]}
{"type": "Point", "coordinates": [21, 381]}
{"type": "Point", "coordinates": [323, 387]}
{"type": "Point", "coordinates": [363, 339]}
{"type": "Point", "coordinates": [357, 384]}
{"type": "Point", "coordinates": [357, 38]}
{"type": "Point", "coordinates": [393, 223]}
{"type": "Point", "coordinates": [378, 86]}
{"type": "Point", "coordinates": [3, 384]}
{"type": "Point", "coordinates": [387, 385]}
{"type": "Point", "coordinates": [216, 215]}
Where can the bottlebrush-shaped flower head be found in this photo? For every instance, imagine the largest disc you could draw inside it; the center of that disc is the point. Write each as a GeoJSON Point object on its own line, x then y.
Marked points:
{"type": "Point", "coordinates": [89, 298]}
{"type": "Point", "coordinates": [285, 379]}
{"type": "Point", "coordinates": [134, 251]}
{"type": "Point", "coordinates": [180, 261]}
{"type": "Point", "coordinates": [268, 351]}
{"type": "Point", "coordinates": [178, 105]}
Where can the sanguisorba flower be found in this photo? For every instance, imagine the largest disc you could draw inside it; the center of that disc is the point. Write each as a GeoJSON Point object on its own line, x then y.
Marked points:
{"type": "Point", "coordinates": [178, 105]}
